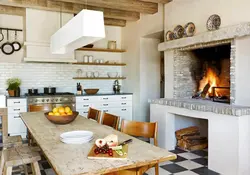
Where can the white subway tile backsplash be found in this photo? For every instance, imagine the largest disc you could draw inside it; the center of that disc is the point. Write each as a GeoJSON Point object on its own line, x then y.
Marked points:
{"type": "Point", "coordinates": [39, 75]}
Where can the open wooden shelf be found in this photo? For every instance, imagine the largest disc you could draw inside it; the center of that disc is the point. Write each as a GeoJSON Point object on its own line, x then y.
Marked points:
{"type": "Point", "coordinates": [101, 64]}
{"type": "Point", "coordinates": [101, 50]}
{"type": "Point", "coordinates": [98, 78]}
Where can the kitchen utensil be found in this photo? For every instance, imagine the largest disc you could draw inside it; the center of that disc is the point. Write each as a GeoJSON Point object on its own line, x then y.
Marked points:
{"type": "Point", "coordinates": [17, 46]}
{"type": "Point", "coordinates": [32, 91]}
{"type": "Point", "coordinates": [112, 74]}
{"type": "Point", "coordinates": [115, 156]}
{"type": "Point", "coordinates": [85, 58]}
{"type": "Point", "coordinates": [1, 35]}
{"type": "Point", "coordinates": [61, 120]}
{"type": "Point", "coordinates": [116, 87]}
{"type": "Point", "coordinates": [213, 22]}
{"type": "Point", "coordinates": [89, 74]}
{"type": "Point", "coordinates": [49, 90]}
{"type": "Point", "coordinates": [8, 48]}
{"type": "Point", "coordinates": [189, 29]}
{"type": "Point", "coordinates": [91, 59]}
{"type": "Point", "coordinates": [79, 72]}
{"type": "Point", "coordinates": [126, 142]}
{"type": "Point", "coordinates": [111, 44]}
{"type": "Point", "coordinates": [178, 32]}
{"type": "Point", "coordinates": [91, 91]}
{"type": "Point", "coordinates": [169, 36]}
{"type": "Point", "coordinates": [96, 74]}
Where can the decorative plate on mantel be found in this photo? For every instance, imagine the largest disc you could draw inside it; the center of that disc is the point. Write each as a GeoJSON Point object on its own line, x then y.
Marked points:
{"type": "Point", "coordinates": [169, 36]}
{"type": "Point", "coordinates": [189, 29]}
{"type": "Point", "coordinates": [213, 22]}
{"type": "Point", "coordinates": [178, 32]}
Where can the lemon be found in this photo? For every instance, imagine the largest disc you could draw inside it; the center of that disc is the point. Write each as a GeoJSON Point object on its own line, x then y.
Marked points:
{"type": "Point", "coordinates": [67, 109]}
{"type": "Point", "coordinates": [56, 113]}
{"type": "Point", "coordinates": [55, 110]}
{"type": "Point", "coordinates": [63, 114]}
{"type": "Point", "coordinates": [61, 110]}
{"type": "Point", "coordinates": [69, 113]}
{"type": "Point", "coordinates": [51, 113]}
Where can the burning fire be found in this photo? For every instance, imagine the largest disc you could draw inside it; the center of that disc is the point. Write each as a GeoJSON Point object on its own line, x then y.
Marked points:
{"type": "Point", "coordinates": [212, 79]}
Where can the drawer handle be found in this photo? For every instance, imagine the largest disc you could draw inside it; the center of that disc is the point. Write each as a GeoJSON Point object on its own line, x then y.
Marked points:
{"type": "Point", "coordinates": [105, 104]}
{"type": "Point", "coordinates": [124, 109]}
{"type": "Point", "coordinates": [17, 102]}
{"type": "Point", "coordinates": [85, 112]}
{"type": "Point", "coordinates": [85, 105]}
{"type": "Point", "coordinates": [124, 103]}
{"type": "Point", "coordinates": [85, 99]}
{"type": "Point", "coordinates": [16, 116]}
{"type": "Point", "coordinates": [16, 109]}
{"type": "Point", "coordinates": [124, 97]}
{"type": "Point", "coordinates": [105, 110]}
{"type": "Point", "coordinates": [105, 98]}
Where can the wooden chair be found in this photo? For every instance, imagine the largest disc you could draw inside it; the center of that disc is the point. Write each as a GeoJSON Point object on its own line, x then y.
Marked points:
{"type": "Point", "coordinates": [110, 120]}
{"type": "Point", "coordinates": [94, 114]}
{"type": "Point", "coordinates": [141, 129]}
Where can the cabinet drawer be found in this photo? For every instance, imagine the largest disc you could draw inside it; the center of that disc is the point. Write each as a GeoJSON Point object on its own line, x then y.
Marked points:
{"type": "Point", "coordinates": [80, 106]}
{"type": "Point", "coordinates": [15, 124]}
{"type": "Point", "coordinates": [17, 110]}
{"type": "Point", "coordinates": [87, 99]}
{"type": "Point", "coordinates": [17, 102]}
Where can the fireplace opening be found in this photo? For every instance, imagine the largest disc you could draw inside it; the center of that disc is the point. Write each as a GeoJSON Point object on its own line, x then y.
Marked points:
{"type": "Point", "coordinates": [212, 74]}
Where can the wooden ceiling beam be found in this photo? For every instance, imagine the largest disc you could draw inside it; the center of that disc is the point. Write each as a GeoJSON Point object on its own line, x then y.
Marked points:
{"type": "Point", "coordinates": [114, 22]}
{"type": "Point", "coordinates": [52, 5]}
{"type": "Point", "coordinates": [12, 10]}
{"type": "Point", "coordinates": [128, 5]}
{"type": "Point", "coordinates": [157, 1]}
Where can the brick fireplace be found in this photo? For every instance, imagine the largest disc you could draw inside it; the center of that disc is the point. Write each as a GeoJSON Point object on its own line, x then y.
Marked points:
{"type": "Point", "coordinates": [188, 62]}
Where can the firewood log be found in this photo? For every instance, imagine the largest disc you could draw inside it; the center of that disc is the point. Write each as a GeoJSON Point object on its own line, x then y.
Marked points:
{"type": "Point", "coordinates": [205, 90]}
{"type": "Point", "coordinates": [194, 130]}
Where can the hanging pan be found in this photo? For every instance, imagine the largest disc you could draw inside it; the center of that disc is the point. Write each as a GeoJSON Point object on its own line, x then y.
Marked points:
{"type": "Point", "coordinates": [17, 46]}
{"type": "Point", "coordinates": [1, 35]}
{"type": "Point", "coordinates": [7, 48]}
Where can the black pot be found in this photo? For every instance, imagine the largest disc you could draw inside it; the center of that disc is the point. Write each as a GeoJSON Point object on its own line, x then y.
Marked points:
{"type": "Point", "coordinates": [32, 91]}
{"type": "Point", "coordinates": [17, 92]}
{"type": "Point", "coordinates": [49, 90]}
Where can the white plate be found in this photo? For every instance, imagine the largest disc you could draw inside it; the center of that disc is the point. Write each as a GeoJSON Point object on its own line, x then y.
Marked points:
{"type": "Point", "coordinates": [77, 135]}
{"type": "Point", "coordinates": [75, 141]}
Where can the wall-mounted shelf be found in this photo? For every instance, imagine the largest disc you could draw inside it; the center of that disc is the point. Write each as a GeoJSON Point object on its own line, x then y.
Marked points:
{"type": "Point", "coordinates": [99, 78]}
{"type": "Point", "coordinates": [101, 50]}
{"type": "Point", "coordinates": [101, 64]}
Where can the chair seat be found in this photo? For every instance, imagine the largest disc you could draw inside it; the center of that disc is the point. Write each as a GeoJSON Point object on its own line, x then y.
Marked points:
{"type": "Point", "coordinates": [12, 141]}
{"type": "Point", "coordinates": [20, 155]}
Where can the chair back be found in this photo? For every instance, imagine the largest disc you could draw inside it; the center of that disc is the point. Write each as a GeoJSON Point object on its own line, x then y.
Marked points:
{"type": "Point", "coordinates": [140, 129]}
{"type": "Point", "coordinates": [110, 120]}
{"type": "Point", "coordinates": [94, 114]}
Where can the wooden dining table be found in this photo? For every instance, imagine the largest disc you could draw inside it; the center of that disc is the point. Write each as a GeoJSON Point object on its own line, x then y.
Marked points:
{"type": "Point", "coordinates": [71, 159]}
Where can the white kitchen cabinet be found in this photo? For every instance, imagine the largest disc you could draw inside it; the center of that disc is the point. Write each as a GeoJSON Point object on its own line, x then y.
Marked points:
{"type": "Point", "coordinates": [120, 105]}
{"type": "Point", "coordinates": [15, 123]}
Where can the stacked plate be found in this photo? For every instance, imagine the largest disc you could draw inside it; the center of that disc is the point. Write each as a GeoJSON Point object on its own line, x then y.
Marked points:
{"type": "Point", "coordinates": [76, 137]}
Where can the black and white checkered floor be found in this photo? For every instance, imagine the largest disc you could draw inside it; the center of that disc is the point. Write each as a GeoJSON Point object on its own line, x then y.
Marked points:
{"type": "Point", "coordinates": [187, 163]}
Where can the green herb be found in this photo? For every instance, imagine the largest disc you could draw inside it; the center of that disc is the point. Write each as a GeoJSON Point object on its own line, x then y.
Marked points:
{"type": "Point", "coordinates": [13, 83]}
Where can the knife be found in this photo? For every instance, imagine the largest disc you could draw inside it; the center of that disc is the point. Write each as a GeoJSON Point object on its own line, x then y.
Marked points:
{"type": "Point", "coordinates": [125, 142]}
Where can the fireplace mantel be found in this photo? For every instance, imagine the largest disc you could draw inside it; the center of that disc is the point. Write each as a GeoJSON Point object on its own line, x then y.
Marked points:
{"type": "Point", "coordinates": [203, 39]}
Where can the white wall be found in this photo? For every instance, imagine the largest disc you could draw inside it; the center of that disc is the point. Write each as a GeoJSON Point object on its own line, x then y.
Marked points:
{"type": "Point", "coordinates": [131, 41]}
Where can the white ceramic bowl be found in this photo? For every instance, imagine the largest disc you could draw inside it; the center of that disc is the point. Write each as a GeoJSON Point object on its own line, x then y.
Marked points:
{"type": "Point", "coordinates": [112, 74]}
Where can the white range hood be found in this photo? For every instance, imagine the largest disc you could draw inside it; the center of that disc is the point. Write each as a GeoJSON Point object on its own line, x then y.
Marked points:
{"type": "Point", "coordinates": [85, 28]}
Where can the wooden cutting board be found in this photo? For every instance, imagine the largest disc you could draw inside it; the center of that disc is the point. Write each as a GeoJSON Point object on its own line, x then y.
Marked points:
{"type": "Point", "coordinates": [115, 156]}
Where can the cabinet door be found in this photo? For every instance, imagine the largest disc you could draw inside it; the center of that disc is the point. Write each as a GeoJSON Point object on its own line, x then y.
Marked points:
{"type": "Point", "coordinates": [15, 124]}
{"type": "Point", "coordinates": [16, 102]}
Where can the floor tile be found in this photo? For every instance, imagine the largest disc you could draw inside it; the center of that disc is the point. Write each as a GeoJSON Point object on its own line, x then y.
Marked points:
{"type": "Point", "coordinates": [177, 151]}
{"type": "Point", "coordinates": [204, 171]}
{"type": "Point", "coordinates": [201, 153]}
{"type": "Point", "coordinates": [188, 164]}
{"type": "Point", "coordinates": [186, 173]}
{"type": "Point", "coordinates": [202, 161]}
{"type": "Point", "coordinates": [173, 168]}
{"type": "Point", "coordinates": [162, 171]}
{"type": "Point", "coordinates": [189, 155]}
{"type": "Point", "coordinates": [50, 172]}
{"type": "Point", "coordinates": [165, 163]}
{"type": "Point", "coordinates": [178, 159]}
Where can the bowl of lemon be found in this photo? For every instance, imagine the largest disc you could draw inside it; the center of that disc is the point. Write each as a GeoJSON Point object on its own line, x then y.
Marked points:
{"type": "Point", "coordinates": [61, 115]}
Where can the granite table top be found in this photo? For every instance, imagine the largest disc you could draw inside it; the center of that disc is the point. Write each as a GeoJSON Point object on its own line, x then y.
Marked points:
{"type": "Point", "coordinates": [69, 159]}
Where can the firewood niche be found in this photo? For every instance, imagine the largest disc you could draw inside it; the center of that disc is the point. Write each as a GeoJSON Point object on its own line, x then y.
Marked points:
{"type": "Point", "coordinates": [213, 73]}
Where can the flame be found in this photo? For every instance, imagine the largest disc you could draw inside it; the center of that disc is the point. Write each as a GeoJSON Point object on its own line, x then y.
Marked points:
{"type": "Point", "coordinates": [211, 78]}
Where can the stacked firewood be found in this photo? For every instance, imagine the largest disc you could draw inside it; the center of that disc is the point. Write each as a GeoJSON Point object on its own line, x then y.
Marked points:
{"type": "Point", "coordinates": [190, 139]}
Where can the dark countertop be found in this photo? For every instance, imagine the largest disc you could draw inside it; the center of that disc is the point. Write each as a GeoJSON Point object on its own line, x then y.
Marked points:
{"type": "Point", "coordinates": [104, 94]}
{"type": "Point", "coordinates": [22, 96]}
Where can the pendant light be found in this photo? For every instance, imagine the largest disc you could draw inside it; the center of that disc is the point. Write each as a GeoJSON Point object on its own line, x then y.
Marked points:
{"type": "Point", "coordinates": [85, 28]}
